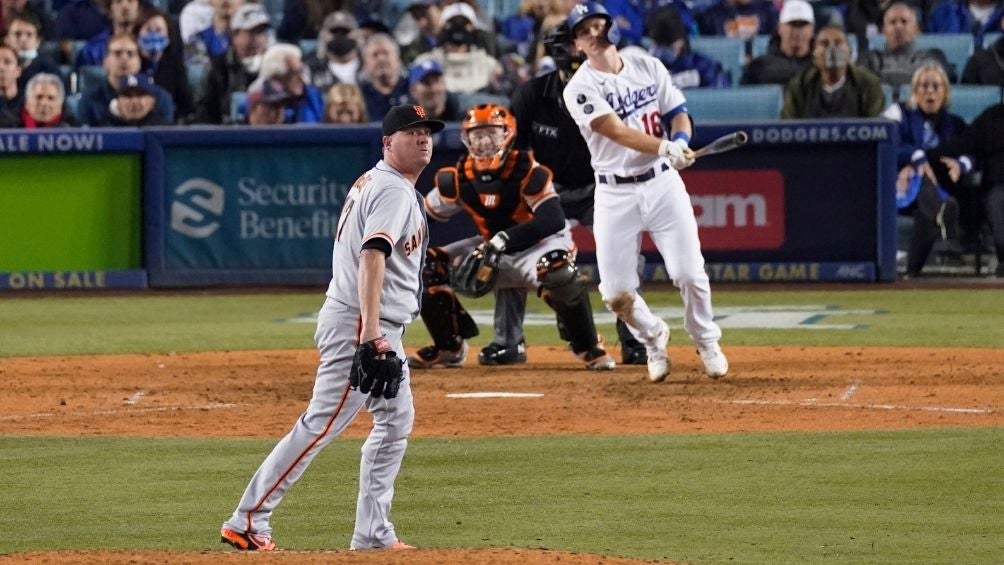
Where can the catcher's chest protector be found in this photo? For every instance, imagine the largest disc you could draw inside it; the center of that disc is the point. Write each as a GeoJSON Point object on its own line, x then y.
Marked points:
{"type": "Point", "coordinates": [495, 200]}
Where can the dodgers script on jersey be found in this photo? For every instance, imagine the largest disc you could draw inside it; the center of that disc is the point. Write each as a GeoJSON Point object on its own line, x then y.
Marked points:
{"type": "Point", "coordinates": [384, 204]}
{"type": "Point", "coordinates": [640, 94]}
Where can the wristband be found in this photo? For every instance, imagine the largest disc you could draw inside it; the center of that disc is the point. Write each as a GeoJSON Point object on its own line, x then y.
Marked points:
{"type": "Point", "coordinates": [681, 135]}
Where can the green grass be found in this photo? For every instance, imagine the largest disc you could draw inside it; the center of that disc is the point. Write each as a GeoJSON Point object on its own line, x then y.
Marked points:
{"type": "Point", "coordinates": [205, 322]}
{"type": "Point", "coordinates": [932, 496]}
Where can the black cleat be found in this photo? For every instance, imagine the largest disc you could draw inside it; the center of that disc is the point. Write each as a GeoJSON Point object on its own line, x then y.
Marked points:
{"type": "Point", "coordinates": [497, 354]}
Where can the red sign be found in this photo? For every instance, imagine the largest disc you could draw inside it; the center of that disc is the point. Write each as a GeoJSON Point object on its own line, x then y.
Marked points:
{"type": "Point", "coordinates": [736, 210]}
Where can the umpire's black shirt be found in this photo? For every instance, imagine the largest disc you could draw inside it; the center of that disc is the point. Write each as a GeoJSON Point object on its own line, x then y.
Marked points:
{"type": "Point", "coordinates": [543, 124]}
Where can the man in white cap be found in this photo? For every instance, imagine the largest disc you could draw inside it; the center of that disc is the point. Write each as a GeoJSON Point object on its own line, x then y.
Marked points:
{"type": "Point", "coordinates": [237, 68]}
{"type": "Point", "coordinates": [789, 52]}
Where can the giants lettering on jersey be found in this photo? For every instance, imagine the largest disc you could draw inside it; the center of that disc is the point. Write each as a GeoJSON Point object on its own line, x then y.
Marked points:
{"type": "Point", "coordinates": [414, 241]}
{"type": "Point", "coordinates": [628, 103]}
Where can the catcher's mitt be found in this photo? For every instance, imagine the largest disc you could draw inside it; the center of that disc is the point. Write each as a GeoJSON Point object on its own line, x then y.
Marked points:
{"type": "Point", "coordinates": [376, 369]}
{"type": "Point", "coordinates": [477, 273]}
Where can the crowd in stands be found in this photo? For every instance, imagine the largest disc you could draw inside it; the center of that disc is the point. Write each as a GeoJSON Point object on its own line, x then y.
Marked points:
{"type": "Point", "coordinates": [97, 63]}
{"type": "Point", "coordinates": [203, 61]}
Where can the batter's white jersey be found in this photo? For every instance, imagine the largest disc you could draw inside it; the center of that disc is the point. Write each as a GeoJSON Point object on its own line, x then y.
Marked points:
{"type": "Point", "coordinates": [382, 203]}
{"type": "Point", "coordinates": [640, 94]}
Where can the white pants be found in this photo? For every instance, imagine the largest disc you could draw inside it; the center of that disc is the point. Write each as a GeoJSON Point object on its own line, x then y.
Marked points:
{"type": "Point", "coordinates": [662, 207]}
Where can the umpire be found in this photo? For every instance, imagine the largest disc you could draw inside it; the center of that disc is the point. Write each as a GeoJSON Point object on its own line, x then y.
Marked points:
{"type": "Point", "coordinates": [544, 125]}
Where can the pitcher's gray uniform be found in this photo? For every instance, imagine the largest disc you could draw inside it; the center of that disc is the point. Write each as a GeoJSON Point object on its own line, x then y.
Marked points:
{"type": "Point", "coordinates": [381, 204]}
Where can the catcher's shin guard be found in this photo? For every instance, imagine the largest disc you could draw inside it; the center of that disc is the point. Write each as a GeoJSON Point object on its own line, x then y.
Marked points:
{"type": "Point", "coordinates": [447, 321]}
{"type": "Point", "coordinates": [569, 298]}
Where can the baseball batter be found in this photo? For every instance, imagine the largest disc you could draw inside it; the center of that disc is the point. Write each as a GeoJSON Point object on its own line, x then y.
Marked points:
{"type": "Point", "coordinates": [375, 291]}
{"type": "Point", "coordinates": [625, 105]}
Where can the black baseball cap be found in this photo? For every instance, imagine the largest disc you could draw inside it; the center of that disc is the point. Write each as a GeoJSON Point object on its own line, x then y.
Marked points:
{"type": "Point", "coordinates": [406, 116]}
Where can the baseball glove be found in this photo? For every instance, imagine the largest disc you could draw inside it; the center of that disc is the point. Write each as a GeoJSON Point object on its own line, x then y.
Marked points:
{"type": "Point", "coordinates": [477, 273]}
{"type": "Point", "coordinates": [376, 369]}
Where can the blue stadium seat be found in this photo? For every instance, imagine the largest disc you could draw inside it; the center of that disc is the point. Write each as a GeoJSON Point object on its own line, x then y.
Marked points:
{"type": "Point", "coordinates": [88, 76]}
{"type": "Point", "coordinates": [308, 46]}
{"type": "Point", "coordinates": [958, 47]}
{"type": "Point", "coordinates": [890, 93]}
{"type": "Point", "coordinates": [991, 38]}
{"type": "Point", "coordinates": [196, 75]}
{"type": "Point", "coordinates": [969, 100]}
{"type": "Point", "coordinates": [743, 103]}
{"type": "Point", "coordinates": [729, 51]}
{"type": "Point", "coordinates": [237, 99]}
{"type": "Point", "coordinates": [760, 45]}
{"type": "Point", "coordinates": [72, 103]}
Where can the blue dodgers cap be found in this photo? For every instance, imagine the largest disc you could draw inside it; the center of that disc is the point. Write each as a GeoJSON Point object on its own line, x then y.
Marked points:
{"type": "Point", "coordinates": [419, 71]}
{"type": "Point", "coordinates": [138, 83]}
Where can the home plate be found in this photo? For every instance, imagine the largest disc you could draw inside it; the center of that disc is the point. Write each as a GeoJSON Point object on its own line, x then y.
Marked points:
{"type": "Point", "coordinates": [494, 395]}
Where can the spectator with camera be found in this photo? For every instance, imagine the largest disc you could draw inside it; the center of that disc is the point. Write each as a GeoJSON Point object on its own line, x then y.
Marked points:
{"type": "Point", "coordinates": [235, 70]}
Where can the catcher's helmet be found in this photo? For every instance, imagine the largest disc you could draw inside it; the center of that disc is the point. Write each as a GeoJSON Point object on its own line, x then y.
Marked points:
{"type": "Point", "coordinates": [580, 12]}
{"type": "Point", "coordinates": [485, 115]}
{"type": "Point", "coordinates": [556, 45]}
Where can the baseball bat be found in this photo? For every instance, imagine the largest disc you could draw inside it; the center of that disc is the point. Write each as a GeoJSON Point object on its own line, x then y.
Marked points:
{"type": "Point", "coordinates": [723, 144]}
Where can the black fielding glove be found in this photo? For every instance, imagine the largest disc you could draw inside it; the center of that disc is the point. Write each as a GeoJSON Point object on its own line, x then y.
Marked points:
{"type": "Point", "coordinates": [376, 369]}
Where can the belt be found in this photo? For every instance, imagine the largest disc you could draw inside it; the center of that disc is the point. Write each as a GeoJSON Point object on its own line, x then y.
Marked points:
{"type": "Point", "coordinates": [647, 175]}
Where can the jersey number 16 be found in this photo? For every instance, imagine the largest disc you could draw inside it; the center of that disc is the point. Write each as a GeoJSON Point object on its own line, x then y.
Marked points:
{"type": "Point", "coordinates": [652, 123]}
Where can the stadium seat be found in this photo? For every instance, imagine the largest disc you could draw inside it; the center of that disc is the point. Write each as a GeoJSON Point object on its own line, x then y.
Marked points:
{"type": "Point", "coordinates": [729, 51]}
{"type": "Point", "coordinates": [237, 100]}
{"type": "Point", "coordinates": [88, 76]}
{"type": "Point", "coordinates": [196, 75]}
{"type": "Point", "coordinates": [760, 45]}
{"type": "Point", "coordinates": [743, 103]}
{"type": "Point", "coordinates": [990, 38]}
{"type": "Point", "coordinates": [308, 46]}
{"type": "Point", "coordinates": [72, 104]}
{"type": "Point", "coordinates": [890, 93]}
{"type": "Point", "coordinates": [969, 100]}
{"type": "Point", "coordinates": [958, 47]}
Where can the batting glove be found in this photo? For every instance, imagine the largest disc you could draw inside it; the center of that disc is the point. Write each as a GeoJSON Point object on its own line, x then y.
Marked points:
{"type": "Point", "coordinates": [677, 152]}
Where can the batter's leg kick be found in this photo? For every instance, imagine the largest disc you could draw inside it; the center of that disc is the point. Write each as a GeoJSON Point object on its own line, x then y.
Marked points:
{"type": "Point", "coordinates": [448, 322]}
{"type": "Point", "coordinates": [563, 290]}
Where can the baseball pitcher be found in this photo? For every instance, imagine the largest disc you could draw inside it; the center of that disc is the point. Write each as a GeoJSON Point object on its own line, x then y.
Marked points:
{"type": "Point", "coordinates": [375, 291]}
{"type": "Point", "coordinates": [636, 125]}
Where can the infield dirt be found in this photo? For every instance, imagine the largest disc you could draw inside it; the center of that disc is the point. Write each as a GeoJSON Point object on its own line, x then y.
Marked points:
{"type": "Point", "coordinates": [768, 389]}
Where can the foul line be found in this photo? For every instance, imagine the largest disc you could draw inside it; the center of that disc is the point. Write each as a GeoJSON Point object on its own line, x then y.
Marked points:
{"type": "Point", "coordinates": [850, 391]}
{"type": "Point", "coordinates": [211, 406]}
{"type": "Point", "coordinates": [135, 397]}
{"type": "Point", "coordinates": [864, 406]}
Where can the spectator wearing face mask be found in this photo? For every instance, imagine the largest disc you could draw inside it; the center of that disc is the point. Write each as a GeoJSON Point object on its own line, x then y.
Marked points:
{"type": "Point", "coordinates": [36, 9]}
{"type": "Point", "coordinates": [123, 15]}
{"type": "Point", "coordinates": [467, 67]}
{"type": "Point", "coordinates": [833, 87]}
{"type": "Point", "coordinates": [23, 34]}
{"type": "Point", "coordinates": [235, 70]}
{"type": "Point", "coordinates": [337, 59]}
{"type": "Point", "coordinates": [163, 59]}
{"type": "Point", "coordinates": [690, 69]}
{"type": "Point", "coordinates": [121, 61]}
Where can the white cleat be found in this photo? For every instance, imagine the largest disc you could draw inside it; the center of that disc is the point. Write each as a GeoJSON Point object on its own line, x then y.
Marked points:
{"type": "Point", "coordinates": [716, 365]}
{"type": "Point", "coordinates": [658, 359]}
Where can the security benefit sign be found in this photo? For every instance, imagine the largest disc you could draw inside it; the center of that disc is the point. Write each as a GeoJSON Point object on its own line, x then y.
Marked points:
{"type": "Point", "coordinates": [255, 208]}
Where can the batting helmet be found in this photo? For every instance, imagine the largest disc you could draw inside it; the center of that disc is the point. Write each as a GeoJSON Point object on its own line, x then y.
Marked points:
{"type": "Point", "coordinates": [585, 10]}
{"type": "Point", "coordinates": [556, 45]}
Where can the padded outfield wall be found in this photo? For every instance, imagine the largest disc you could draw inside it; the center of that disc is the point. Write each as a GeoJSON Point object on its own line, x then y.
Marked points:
{"type": "Point", "coordinates": [803, 201]}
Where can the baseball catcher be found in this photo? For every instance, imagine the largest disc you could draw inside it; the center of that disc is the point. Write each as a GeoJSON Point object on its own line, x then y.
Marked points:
{"type": "Point", "coordinates": [523, 244]}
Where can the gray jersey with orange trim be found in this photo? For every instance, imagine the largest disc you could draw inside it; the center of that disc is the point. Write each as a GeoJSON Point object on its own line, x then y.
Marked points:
{"type": "Point", "coordinates": [383, 204]}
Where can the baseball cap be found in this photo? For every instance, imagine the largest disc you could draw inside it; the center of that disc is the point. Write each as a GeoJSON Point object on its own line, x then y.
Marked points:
{"type": "Point", "coordinates": [459, 9]}
{"type": "Point", "coordinates": [406, 116]}
{"type": "Point", "coordinates": [250, 16]}
{"type": "Point", "coordinates": [269, 91]}
{"type": "Point", "coordinates": [340, 20]}
{"type": "Point", "coordinates": [138, 83]}
{"type": "Point", "coordinates": [419, 71]}
{"type": "Point", "coordinates": [796, 11]}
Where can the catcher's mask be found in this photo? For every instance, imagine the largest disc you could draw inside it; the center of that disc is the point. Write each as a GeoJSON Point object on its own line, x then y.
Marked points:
{"type": "Point", "coordinates": [488, 131]}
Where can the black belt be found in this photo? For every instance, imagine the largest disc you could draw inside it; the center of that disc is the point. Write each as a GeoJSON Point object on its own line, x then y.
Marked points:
{"type": "Point", "coordinates": [647, 175]}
